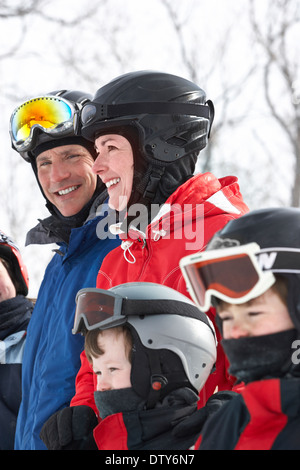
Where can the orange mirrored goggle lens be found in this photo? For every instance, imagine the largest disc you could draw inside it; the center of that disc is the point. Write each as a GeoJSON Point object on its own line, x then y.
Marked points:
{"type": "Point", "coordinates": [234, 276]}
{"type": "Point", "coordinates": [48, 112]}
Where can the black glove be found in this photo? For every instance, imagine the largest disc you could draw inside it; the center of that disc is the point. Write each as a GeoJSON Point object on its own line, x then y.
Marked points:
{"type": "Point", "coordinates": [195, 422]}
{"type": "Point", "coordinates": [70, 429]}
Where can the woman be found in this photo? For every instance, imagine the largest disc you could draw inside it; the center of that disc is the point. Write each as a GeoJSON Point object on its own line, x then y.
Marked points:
{"type": "Point", "coordinates": [148, 128]}
{"type": "Point", "coordinates": [147, 146]}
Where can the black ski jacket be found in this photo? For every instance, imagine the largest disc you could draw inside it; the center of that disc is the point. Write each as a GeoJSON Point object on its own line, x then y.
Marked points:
{"type": "Point", "coordinates": [14, 318]}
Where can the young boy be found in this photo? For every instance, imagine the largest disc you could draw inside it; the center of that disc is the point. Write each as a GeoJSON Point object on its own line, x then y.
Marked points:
{"type": "Point", "coordinates": [149, 369]}
{"type": "Point", "coordinates": [109, 352]}
{"type": "Point", "coordinates": [251, 274]}
{"type": "Point", "coordinates": [151, 351]}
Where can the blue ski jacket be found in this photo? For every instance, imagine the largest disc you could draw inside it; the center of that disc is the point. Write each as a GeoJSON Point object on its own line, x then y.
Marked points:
{"type": "Point", "coordinates": [52, 353]}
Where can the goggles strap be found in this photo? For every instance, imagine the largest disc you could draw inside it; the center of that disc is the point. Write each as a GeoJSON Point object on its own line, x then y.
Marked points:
{"type": "Point", "coordinates": [163, 307]}
{"type": "Point", "coordinates": [125, 109]}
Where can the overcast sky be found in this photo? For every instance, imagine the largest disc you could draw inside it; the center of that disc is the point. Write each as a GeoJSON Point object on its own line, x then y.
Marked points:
{"type": "Point", "coordinates": [123, 35]}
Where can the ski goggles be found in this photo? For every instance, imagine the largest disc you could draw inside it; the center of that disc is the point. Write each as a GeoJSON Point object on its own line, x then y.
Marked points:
{"type": "Point", "coordinates": [102, 309]}
{"type": "Point", "coordinates": [52, 115]}
{"type": "Point", "coordinates": [230, 274]}
{"type": "Point", "coordinates": [97, 308]}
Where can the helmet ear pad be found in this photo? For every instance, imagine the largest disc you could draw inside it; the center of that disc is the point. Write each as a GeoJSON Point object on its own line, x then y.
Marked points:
{"type": "Point", "coordinates": [173, 174]}
{"type": "Point", "coordinates": [149, 365]}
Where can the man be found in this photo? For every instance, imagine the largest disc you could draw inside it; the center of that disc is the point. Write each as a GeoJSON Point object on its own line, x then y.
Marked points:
{"type": "Point", "coordinates": [42, 132]}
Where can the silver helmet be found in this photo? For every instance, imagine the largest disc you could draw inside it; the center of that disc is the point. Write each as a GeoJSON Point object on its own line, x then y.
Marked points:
{"type": "Point", "coordinates": [174, 343]}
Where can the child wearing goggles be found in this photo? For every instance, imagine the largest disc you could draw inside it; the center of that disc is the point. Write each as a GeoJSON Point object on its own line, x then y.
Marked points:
{"type": "Point", "coordinates": [260, 326]}
{"type": "Point", "coordinates": [148, 371]}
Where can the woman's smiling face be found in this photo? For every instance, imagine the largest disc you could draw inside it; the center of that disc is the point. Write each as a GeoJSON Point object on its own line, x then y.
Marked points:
{"type": "Point", "coordinates": [115, 166]}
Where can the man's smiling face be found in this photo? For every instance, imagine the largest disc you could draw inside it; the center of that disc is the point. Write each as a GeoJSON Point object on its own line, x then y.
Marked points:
{"type": "Point", "coordinates": [66, 176]}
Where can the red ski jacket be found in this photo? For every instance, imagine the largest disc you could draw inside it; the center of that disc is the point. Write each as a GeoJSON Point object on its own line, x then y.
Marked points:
{"type": "Point", "coordinates": [265, 415]}
{"type": "Point", "coordinates": [185, 224]}
{"type": "Point", "coordinates": [146, 430]}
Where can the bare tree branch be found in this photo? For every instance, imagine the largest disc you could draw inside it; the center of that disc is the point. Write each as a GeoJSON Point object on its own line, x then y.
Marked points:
{"type": "Point", "coordinates": [230, 90]}
{"type": "Point", "coordinates": [7, 11]}
{"type": "Point", "coordinates": [91, 11]}
{"type": "Point", "coordinates": [283, 16]}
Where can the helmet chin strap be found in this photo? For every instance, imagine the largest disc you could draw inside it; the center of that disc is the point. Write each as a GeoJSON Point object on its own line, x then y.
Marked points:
{"type": "Point", "coordinates": [145, 200]}
{"type": "Point", "coordinates": [211, 115]}
{"type": "Point", "coordinates": [151, 188]}
{"type": "Point", "coordinates": [158, 380]}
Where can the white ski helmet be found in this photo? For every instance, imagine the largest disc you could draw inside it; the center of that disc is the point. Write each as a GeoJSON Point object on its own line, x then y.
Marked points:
{"type": "Point", "coordinates": [174, 343]}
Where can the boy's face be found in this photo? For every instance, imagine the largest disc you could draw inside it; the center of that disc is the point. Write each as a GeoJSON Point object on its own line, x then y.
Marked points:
{"type": "Point", "coordinates": [113, 367]}
{"type": "Point", "coordinates": [263, 315]}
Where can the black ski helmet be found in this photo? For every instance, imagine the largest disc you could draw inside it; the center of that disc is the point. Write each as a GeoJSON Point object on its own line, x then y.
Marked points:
{"type": "Point", "coordinates": [166, 118]}
{"type": "Point", "coordinates": [174, 344]}
{"type": "Point", "coordinates": [10, 253]}
{"type": "Point", "coordinates": [276, 231]}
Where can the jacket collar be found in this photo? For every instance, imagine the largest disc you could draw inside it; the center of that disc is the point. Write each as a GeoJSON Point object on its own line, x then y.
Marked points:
{"type": "Point", "coordinates": [203, 194]}
{"type": "Point", "coordinates": [56, 229]}
{"type": "Point", "coordinates": [147, 429]}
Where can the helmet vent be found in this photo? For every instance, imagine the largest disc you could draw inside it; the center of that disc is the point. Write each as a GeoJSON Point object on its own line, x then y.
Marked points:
{"type": "Point", "coordinates": [177, 141]}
